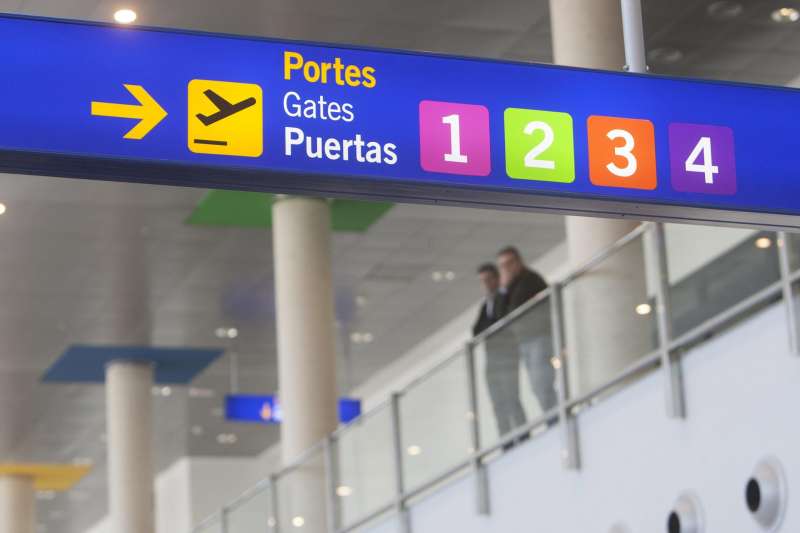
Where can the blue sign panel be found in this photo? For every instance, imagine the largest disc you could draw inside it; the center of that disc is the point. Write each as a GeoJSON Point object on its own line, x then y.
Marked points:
{"type": "Point", "coordinates": [266, 409]}
{"type": "Point", "coordinates": [99, 101]}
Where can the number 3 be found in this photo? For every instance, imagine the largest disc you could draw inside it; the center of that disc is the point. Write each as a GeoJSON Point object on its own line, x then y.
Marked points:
{"type": "Point", "coordinates": [625, 151]}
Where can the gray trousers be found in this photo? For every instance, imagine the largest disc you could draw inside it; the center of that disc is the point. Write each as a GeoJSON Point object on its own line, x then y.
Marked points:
{"type": "Point", "coordinates": [502, 378]}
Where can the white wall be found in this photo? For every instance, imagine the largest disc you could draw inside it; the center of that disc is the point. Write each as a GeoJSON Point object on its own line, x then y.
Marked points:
{"type": "Point", "coordinates": [742, 395]}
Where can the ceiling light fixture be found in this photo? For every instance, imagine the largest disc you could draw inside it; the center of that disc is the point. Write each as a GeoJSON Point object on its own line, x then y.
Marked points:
{"type": "Point", "coordinates": [724, 10]}
{"type": "Point", "coordinates": [643, 309]}
{"type": "Point", "coordinates": [298, 521]}
{"type": "Point", "coordinates": [227, 438]}
{"type": "Point", "coordinates": [2, 208]}
{"type": "Point", "coordinates": [443, 275]}
{"type": "Point", "coordinates": [125, 16]}
{"type": "Point", "coordinates": [785, 15]}
{"type": "Point", "coordinates": [226, 333]}
{"type": "Point", "coordinates": [414, 450]}
{"type": "Point", "coordinates": [664, 55]}
{"type": "Point", "coordinates": [343, 491]}
{"type": "Point", "coordinates": [358, 337]}
{"type": "Point", "coordinates": [763, 243]}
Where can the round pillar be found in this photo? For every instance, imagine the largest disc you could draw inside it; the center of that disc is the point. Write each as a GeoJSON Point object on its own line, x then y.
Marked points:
{"type": "Point", "coordinates": [17, 504]}
{"type": "Point", "coordinates": [603, 332]}
{"type": "Point", "coordinates": [305, 322]}
{"type": "Point", "coordinates": [306, 351]}
{"type": "Point", "coordinates": [129, 428]}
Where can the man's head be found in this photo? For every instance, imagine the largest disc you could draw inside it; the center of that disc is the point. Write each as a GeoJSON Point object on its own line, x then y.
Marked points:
{"type": "Point", "coordinates": [490, 278]}
{"type": "Point", "coordinates": [510, 264]}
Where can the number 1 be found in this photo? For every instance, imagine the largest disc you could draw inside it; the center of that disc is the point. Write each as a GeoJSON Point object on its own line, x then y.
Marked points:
{"type": "Point", "coordinates": [455, 155]}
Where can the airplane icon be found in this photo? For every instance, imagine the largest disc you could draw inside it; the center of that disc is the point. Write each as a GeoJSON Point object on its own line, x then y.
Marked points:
{"type": "Point", "coordinates": [225, 107]}
{"type": "Point", "coordinates": [210, 103]}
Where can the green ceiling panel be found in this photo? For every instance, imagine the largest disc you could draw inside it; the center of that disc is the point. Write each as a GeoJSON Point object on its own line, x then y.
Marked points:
{"type": "Point", "coordinates": [254, 210]}
{"type": "Point", "coordinates": [356, 215]}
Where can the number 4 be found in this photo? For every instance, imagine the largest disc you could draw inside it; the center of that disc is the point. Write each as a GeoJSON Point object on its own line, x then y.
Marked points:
{"type": "Point", "coordinates": [708, 168]}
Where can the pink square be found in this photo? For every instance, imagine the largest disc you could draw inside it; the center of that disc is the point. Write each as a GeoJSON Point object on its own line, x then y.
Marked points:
{"type": "Point", "coordinates": [454, 138]}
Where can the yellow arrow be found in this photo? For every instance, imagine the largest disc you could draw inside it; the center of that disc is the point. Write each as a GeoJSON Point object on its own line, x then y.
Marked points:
{"type": "Point", "coordinates": [148, 111]}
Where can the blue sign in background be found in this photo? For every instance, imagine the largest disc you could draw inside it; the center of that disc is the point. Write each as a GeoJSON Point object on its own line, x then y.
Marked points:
{"type": "Point", "coordinates": [53, 70]}
{"type": "Point", "coordinates": [265, 409]}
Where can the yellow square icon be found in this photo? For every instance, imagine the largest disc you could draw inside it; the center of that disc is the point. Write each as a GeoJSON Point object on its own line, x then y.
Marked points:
{"type": "Point", "coordinates": [225, 118]}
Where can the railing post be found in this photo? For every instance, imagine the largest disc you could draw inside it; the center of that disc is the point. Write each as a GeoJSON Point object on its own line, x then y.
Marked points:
{"type": "Point", "coordinates": [274, 504]}
{"type": "Point", "coordinates": [670, 365]}
{"type": "Point", "coordinates": [223, 520]}
{"type": "Point", "coordinates": [784, 249]}
{"type": "Point", "coordinates": [331, 480]}
{"type": "Point", "coordinates": [478, 468]}
{"type": "Point", "coordinates": [397, 440]}
{"type": "Point", "coordinates": [571, 450]}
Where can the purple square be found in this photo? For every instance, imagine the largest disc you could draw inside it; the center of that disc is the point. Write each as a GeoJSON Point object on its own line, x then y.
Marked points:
{"type": "Point", "coordinates": [454, 138]}
{"type": "Point", "coordinates": [702, 158]}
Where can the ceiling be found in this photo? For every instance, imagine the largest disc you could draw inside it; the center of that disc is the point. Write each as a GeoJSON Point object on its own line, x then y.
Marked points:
{"type": "Point", "coordinates": [91, 262]}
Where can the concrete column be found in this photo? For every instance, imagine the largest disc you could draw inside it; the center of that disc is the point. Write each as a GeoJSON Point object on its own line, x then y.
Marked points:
{"type": "Point", "coordinates": [603, 331]}
{"type": "Point", "coordinates": [306, 349]}
{"type": "Point", "coordinates": [17, 504]}
{"type": "Point", "coordinates": [129, 428]}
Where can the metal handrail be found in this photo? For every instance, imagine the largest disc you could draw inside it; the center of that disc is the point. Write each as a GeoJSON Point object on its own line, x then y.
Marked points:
{"type": "Point", "coordinates": [644, 364]}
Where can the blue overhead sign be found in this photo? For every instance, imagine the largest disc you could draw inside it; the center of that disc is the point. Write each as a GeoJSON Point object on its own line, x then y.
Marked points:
{"type": "Point", "coordinates": [266, 409]}
{"type": "Point", "coordinates": [99, 101]}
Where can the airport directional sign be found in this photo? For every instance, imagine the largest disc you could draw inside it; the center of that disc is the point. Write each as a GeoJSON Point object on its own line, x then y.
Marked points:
{"type": "Point", "coordinates": [99, 101]}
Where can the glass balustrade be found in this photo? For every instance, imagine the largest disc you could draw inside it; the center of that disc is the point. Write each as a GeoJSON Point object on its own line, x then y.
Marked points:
{"type": "Point", "coordinates": [493, 394]}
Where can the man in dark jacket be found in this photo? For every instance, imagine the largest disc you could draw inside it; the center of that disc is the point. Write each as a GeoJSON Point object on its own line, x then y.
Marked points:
{"type": "Point", "coordinates": [492, 304]}
{"type": "Point", "coordinates": [502, 357]}
{"type": "Point", "coordinates": [531, 328]}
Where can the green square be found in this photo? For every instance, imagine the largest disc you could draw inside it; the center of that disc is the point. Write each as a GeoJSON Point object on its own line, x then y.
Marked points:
{"type": "Point", "coordinates": [539, 145]}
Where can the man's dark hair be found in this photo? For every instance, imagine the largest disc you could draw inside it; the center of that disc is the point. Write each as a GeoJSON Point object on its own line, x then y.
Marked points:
{"type": "Point", "coordinates": [510, 250]}
{"type": "Point", "coordinates": [490, 268]}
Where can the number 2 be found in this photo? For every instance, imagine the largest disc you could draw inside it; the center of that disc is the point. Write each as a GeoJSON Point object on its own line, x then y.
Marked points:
{"type": "Point", "coordinates": [707, 168]}
{"type": "Point", "coordinates": [625, 151]}
{"type": "Point", "coordinates": [536, 151]}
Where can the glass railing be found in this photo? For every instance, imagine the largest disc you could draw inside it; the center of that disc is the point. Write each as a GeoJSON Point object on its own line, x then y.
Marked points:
{"type": "Point", "coordinates": [604, 326]}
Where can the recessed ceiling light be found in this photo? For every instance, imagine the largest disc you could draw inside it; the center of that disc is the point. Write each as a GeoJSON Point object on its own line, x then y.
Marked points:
{"type": "Point", "coordinates": [725, 10]}
{"type": "Point", "coordinates": [226, 333]}
{"type": "Point", "coordinates": [555, 362]}
{"type": "Point", "coordinates": [361, 338]}
{"type": "Point", "coordinates": [201, 392]}
{"type": "Point", "coordinates": [414, 450]}
{"type": "Point", "coordinates": [298, 521]}
{"type": "Point", "coordinates": [271, 522]}
{"type": "Point", "coordinates": [643, 309]}
{"type": "Point", "coordinates": [227, 438]}
{"type": "Point", "coordinates": [763, 243]}
{"type": "Point", "coordinates": [443, 275]}
{"type": "Point", "coordinates": [665, 55]}
{"type": "Point", "coordinates": [2, 208]}
{"type": "Point", "coordinates": [343, 491]}
{"type": "Point", "coordinates": [785, 15]}
{"type": "Point", "coordinates": [125, 16]}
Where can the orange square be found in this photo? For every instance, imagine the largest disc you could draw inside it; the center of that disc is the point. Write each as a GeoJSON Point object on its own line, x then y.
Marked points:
{"type": "Point", "coordinates": [622, 152]}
